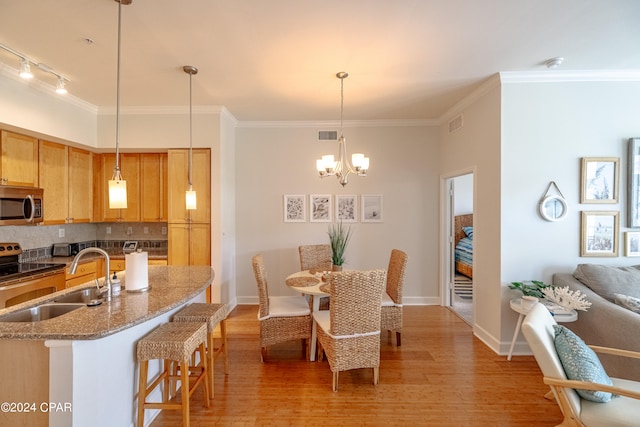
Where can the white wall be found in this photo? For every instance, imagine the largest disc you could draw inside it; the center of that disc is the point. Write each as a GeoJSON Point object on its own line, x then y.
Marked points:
{"type": "Point", "coordinates": [476, 147]}
{"type": "Point", "coordinates": [547, 128]}
{"type": "Point", "coordinates": [31, 108]}
{"type": "Point", "coordinates": [463, 195]}
{"type": "Point", "coordinates": [273, 161]}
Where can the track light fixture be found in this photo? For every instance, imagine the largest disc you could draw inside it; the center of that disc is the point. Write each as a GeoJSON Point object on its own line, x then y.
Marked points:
{"type": "Point", "coordinates": [26, 73]}
{"type": "Point", "coordinates": [25, 69]}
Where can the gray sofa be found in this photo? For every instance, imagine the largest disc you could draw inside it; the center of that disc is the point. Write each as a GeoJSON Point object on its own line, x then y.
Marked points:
{"type": "Point", "coordinates": [606, 323]}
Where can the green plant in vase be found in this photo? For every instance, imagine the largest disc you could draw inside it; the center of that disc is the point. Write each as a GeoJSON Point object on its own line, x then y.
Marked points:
{"type": "Point", "coordinates": [339, 237]}
{"type": "Point", "coordinates": [533, 288]}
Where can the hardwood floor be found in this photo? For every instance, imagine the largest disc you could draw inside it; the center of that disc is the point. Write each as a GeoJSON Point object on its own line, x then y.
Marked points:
{"type": "Point", "coordinates": [441, 376]}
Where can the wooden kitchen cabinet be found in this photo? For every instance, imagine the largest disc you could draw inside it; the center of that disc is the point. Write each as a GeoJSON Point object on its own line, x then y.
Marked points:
{"type": "Point", "coordinates": [86, 272]}
{"type": "Point", "coordinates": [116, 265]}
{"type": "Point", "coordinates": [80, 186]}
{"type": "Point", "coordinates": [53, 170]}
{"type": "Point", "coordinates": [179, 172]}
{"type": "Point", "coordinates": [130, 170]}
{"type": "Point", "coordinates": [154, 188]}
{"type": "Point", "coordinates": [18, 160]}
{"type": "Point", "coordinates": [66, 174]}
{"type": "Point", "coordinates": [189, 244]}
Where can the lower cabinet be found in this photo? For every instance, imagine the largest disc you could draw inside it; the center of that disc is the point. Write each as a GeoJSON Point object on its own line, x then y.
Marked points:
{"type": "Point", "coordinates": [189, 244]}
{"type": "Point", "coordinates": [86, 272]}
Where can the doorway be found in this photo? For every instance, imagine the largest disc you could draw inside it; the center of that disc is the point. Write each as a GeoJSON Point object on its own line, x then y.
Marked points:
{"type": "Point", "coordinates": [459, 283]}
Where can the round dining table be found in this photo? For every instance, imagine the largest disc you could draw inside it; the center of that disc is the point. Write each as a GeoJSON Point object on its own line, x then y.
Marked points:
{"type": "Point", "coordinates": [310, 283]}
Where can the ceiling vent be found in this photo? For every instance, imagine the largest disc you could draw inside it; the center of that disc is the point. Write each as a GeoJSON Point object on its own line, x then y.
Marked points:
{"type": "Point", "coordinates": [327, 135]}
{"type": "Point", "coordinates": [455, 123]}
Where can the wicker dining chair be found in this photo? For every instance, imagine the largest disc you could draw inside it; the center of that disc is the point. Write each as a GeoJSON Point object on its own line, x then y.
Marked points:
{"type": "Point", "coordinates": [349, 332]}
{"type": "Point", "coordinates": [391, 316]}
{"type": "Point", "coordinates": [316, 257]}
{"type": "Point", "coordinates": [282, 318]}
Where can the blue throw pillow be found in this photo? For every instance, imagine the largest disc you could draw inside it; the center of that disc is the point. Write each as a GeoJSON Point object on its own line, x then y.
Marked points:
{"type": "Point", "coordinates": [468, 231]}
{"type": "Point", "coordinates": [581, 363]}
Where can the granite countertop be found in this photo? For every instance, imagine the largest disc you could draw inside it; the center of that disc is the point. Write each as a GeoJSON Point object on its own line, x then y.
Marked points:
{"type": "Point", "coordinates": [113, 254]}
{"type": "Point", "coordinates": [170, 286]}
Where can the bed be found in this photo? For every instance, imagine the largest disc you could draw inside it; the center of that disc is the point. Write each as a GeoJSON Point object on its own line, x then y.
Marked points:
{"type": "Point", "coordinates": [463, 226]}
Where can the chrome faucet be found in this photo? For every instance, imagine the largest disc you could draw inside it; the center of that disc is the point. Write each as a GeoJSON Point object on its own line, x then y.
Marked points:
{"type": "Point", "coordinates": [107, 281]}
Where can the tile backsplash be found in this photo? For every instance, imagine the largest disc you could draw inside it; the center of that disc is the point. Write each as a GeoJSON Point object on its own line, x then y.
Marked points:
{"type": "Point", "coordinates": [37, 241]}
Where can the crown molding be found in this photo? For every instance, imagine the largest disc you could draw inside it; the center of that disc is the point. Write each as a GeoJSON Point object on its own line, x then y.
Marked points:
{"type": "Point", "coordinates": [336, 123]}
{"type": "Point", "coordinates": [562, 76]}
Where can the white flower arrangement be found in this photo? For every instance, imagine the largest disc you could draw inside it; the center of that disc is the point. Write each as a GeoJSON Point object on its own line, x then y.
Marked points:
{"type": "Point", "coordinates": [567, 298]}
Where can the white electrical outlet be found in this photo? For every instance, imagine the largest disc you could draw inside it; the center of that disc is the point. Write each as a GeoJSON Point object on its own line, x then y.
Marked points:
{"type": "Point", "coordinates": [108, 230]}
{"type": "Point", "coordinates": [145, 230]}
{"type": "Point", "coordinates": [129, 231]}
{"type": "Point", "coordinates": [61, 232]}
{"type": "Point", "coordinates": [164, 231]}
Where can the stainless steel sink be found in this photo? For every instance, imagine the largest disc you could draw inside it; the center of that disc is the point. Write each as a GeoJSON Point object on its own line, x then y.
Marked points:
{"type": "Point", "coordinates": [41, 312]}
{"type": "Point", "coordinates": [83, 296]}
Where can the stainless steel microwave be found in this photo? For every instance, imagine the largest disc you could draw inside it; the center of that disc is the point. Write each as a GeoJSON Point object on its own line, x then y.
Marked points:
{"type": "Point", "coordinates": [20, 205]}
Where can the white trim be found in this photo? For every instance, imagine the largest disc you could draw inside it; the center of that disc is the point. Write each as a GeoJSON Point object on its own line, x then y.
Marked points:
{"type": "Point", "coordinates": [507, 77]}
{"type": "Point", "coordinates": [336, 123]}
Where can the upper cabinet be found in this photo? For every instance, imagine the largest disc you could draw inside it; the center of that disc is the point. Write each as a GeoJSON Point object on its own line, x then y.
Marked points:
{"type": "Point", "coordinates": [201, 180]}
{"type": "Point", "coordinates": [53, 169]}
{"type": "Point", "coordinates": [130, 170]}
{"type": "Point", "coordinates": [18, 160]}
{"type": "Point", "coordinates": [153, 182]}
{"type": "Point", "coordinates": [66, 174]}
{"type": "Point", "coordinates": [81, 178]}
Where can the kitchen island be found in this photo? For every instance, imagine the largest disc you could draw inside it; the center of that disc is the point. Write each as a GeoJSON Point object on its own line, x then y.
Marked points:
{"type": "Point", "coordinates": [91, 352]}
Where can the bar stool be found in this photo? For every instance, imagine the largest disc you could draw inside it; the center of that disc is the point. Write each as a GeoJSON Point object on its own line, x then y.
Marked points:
{"type": "Point", "coordinates": [212, 315]}
{"type": "Point", "coordinates": [173, 343]}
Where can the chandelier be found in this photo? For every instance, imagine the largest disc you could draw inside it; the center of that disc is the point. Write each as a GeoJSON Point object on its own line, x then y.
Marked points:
{"type": "Point", "coordinates": [327, 166]}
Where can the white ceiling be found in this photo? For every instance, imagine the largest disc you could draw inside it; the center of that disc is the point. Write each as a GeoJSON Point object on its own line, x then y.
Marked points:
{"type": "Point", "coordinates": [277, 59]}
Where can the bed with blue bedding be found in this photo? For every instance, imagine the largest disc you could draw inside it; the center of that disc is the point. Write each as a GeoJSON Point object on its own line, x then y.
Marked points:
{"type": "Point", "coordinates": [463, 226]}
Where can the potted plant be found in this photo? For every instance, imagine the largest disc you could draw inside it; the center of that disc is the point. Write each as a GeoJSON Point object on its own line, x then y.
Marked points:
{"type": "Point", "coordinates": [339, 237]}
{"type": "Point", "coordinates": [532, 288]}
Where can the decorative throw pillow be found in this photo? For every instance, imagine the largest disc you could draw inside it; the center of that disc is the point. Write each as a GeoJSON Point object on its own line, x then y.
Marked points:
{"type": "Point", "coordinates": [581, 363]}
{"type": "Point", "coordinates": [468, 231]}
{"type": "Point", "coordinates": [628, 302]}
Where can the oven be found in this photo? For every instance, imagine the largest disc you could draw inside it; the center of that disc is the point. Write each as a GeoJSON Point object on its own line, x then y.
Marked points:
{"type": "Point", "coordinates": [21, 205]}
{"type": "Point", "coordinates": [21, 282]}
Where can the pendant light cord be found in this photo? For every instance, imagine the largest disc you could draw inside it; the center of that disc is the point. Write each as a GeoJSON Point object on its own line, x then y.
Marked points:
{"type": "Point", "coordinates": [190, 133]}
{"type": "Point", "coordinates": [117, 170]}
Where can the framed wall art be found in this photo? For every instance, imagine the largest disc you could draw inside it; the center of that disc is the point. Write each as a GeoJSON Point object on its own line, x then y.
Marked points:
{"type": "Point", "coordinates": [632, 243]}
{"type": "Point", "coordinates": [599, 233]}
{"type": "Point", "coordinates": [320, 207]}
{"type": "Point", "coordinates": [346, 208]}
{"type": "Point", "coordinates": [599, 180]}
{"type": "Point", "coordinates": [633, 185]}
{"type": "Point", "coordinates": [295, 208]}
{"type": "Point", "coordinates": [371, 207]}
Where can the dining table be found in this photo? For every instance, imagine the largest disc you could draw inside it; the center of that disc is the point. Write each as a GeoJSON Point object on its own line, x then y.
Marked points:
{"type": "Point", "coordinates": [313, 283]}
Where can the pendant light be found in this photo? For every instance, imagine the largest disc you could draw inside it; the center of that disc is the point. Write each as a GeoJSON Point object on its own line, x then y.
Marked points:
{"type": "Point", "coordinates": [117, 185]}
{"type": "Point", "coordinates": [342, 168]}
{"type": "Point", "coordinates": [190, 194]}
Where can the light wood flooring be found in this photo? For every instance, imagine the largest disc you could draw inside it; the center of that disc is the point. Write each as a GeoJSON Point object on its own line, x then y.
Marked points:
{"type": "Point", "coordinates": [441, 376]}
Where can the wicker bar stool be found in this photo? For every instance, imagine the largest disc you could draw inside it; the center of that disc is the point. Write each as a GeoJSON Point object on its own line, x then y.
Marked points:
{"type": "Point", "coordinates": [173, 343]}
{"type": "Point", "coordinates": [213, 315]}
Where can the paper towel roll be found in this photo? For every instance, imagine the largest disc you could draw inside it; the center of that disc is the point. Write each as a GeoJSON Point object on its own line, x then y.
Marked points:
{"type": "Point", "coordinates": [137, 271]}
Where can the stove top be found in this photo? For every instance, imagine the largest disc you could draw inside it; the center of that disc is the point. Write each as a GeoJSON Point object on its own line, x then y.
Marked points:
{"type": "Point", "coordinates": [11, 268]}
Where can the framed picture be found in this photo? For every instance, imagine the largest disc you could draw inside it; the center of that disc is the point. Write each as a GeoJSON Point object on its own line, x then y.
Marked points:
{"type": "Point", "coordinates": [371, 206]}
{"type": "Point", "coordinates": [599, 233]}
{"type": "Point", "coordinates": [346, 208]}
{"type": "Point", "coordinates": [320, 207]}
{"type": "Point", "coordinates": [599, 181]}
{"type": "Point", "coordinates": [632, 243]}
{"type": "Point", "coordinates": [295, 208]}
{"type": "Point", "coordinates": [633, 186]}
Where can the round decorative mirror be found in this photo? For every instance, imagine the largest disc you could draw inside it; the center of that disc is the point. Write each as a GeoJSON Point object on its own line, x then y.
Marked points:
{"type": "Point", "coordinates": [553, 208]}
